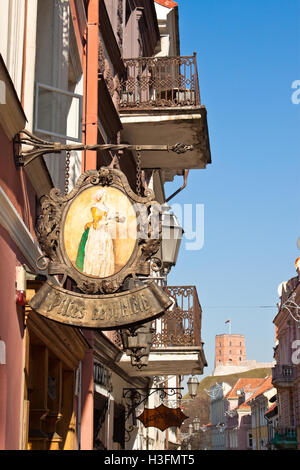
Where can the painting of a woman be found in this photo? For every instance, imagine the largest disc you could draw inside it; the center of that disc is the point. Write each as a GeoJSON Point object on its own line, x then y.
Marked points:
{"type": "Point", "coordinates": [95, 256]}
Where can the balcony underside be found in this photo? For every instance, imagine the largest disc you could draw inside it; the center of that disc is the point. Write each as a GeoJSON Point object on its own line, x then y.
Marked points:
{"type": "Point", "coordinates": [162, 126]}
{"type": "Point", "coordinates": [282, 383]}
{"type": "Point", "coordinates": [169, 361]}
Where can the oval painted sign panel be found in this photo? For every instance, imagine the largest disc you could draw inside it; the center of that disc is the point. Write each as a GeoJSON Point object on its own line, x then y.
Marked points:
{"type": "Point", "coordinates": [100, 231]}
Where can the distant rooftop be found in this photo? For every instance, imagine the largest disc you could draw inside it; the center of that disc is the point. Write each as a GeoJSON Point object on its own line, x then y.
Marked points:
{"type": "Point", "coordinates": [167, 3]}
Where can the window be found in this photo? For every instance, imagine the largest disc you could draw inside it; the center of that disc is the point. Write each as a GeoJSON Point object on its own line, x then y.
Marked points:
{"type": "Point", "coordinates": [230, 352]}
{"type": "Point", "coordinates": [52, 107]}
{"type": "Point", "coordinates": [240, 358]}
{"type": "Point", "coordinates": [230, 344]}
{"type": "Point", "coordinates": [250, 440]}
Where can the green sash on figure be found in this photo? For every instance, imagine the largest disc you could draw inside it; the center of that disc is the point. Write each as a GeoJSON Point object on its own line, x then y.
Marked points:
{"type": "Point", "coordinates": [81, 250]}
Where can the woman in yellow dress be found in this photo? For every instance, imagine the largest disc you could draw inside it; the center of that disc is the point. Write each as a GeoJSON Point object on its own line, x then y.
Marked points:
{"type": "Point", "coordinates": [95, 255]}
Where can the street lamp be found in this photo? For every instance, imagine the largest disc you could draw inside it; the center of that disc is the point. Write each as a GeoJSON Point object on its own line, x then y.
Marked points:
{"type": "Point", "coordinates": [193, 386]}
{"type": "Point", "coordinates": [137, 343]}
{"type": "Point", "coordinates": [171, 237]}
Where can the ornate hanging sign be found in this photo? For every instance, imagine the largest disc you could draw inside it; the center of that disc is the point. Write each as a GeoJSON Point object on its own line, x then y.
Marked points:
{"type": "Point", "coordinates": [162, 417]}
{"type": "Point", "coordinates": [95, 239]}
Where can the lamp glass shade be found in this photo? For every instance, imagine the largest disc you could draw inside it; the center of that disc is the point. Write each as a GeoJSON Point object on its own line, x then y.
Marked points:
{"type": "Point", "coordinates": [193, 386]}
{"type": "Point", "coordinates": [171, 237]}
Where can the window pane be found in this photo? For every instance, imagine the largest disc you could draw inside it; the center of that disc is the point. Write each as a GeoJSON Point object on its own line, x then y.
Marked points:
{"type": "Point", "coordinates": [58, 113]}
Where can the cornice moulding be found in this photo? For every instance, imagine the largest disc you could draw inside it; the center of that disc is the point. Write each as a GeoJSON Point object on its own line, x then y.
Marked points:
{"type": "Point", "coordinates": [15, 226]}
{"type": "Point", "coordinates": [12, 117]}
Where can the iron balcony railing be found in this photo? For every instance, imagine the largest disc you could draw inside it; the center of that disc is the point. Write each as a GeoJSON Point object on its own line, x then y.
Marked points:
{"type": "Point", "coordinates": [181, 324]}
{"type": "Point", "coordinates": [283, 373]}
{"type": "Point", "coordinates": [285, 438]}
{"type": "Point", "coordinates": [155, 82]}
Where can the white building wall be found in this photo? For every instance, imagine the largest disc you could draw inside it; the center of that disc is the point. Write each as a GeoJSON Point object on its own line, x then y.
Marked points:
{"type": "Point", "coordinates": [12, 24]}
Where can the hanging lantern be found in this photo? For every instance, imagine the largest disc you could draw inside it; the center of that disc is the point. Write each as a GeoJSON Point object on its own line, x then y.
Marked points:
{"type": "Point", "coordinates": [137, 344]}
{"type": "Point", "coordinates": [193, 386]}
{"type": "Point", "coordinates": [171, 237]}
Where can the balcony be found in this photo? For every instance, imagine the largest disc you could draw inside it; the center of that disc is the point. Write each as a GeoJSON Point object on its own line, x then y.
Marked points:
{"type": "Point", "coordinates": [283, 375]}
{"type": "Point", "coordinates": [155, 82]}
{"type": "Point", "coordinates": [160, 104]}
{"type": "Point", "coordinates": [285, 438]}
{"type": "Point", "coordinates": [177, 347]}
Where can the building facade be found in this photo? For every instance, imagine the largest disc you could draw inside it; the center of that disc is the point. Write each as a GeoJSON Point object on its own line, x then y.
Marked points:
{"type": "Point", "coordinates": [237, 419]}
{"type": "Point", "coordinates": [286, 371]}
{"type": "Point", "coordinates": [260, 404]}
{"type": "Point", "coordinates": [217, 395]}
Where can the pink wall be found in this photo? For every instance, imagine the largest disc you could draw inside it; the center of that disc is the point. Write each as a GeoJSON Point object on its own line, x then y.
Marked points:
{"type": "Point", "coordinates": [11, 332]}
{"type": "Point", "coordinates": [87, 405]}
{"type": "Point", "coordinates": [13, 182]}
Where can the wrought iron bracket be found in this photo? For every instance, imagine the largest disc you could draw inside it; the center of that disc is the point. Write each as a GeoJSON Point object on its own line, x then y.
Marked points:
{"type": "Point", "coordinates": [134, 397]}
{"type": "Point", "coordinates": [39, 147]}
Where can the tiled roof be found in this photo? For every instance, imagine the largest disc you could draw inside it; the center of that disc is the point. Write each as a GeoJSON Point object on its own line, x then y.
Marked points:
{"type": "Point", "coordinates": [244, 406]}
{"type": "Point", "coordinates": [248, 384]}
{"type": "Point", "coordinates": [167, 3]}
{"type": "Point", "coordinates": [266, 385]}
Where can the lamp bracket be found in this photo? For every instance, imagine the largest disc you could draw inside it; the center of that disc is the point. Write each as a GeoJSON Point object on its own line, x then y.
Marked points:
{"type": "Point", "coordinates": [39, 147]}
{"type": "Point", "coordinates": [134, 397]}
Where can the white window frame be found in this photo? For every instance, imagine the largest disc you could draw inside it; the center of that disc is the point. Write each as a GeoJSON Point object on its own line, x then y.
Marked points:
{"type": "Point", "coordinates": [39, 85]}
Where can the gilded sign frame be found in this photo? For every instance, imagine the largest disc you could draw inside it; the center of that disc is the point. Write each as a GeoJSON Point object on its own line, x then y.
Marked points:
{"type": "Point", "coordinates": [50, 232]}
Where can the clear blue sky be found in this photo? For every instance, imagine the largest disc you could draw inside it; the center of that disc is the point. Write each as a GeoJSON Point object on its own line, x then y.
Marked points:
{"type": "Point", "coordinates": [248, 56]}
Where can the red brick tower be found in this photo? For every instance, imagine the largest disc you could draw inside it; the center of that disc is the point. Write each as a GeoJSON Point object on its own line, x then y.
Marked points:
{"type": "Point", "coordinates": [229, 350]}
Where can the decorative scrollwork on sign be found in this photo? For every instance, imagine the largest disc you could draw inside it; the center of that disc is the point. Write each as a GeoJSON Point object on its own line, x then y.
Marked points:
{"type": "Point", "coordinates": [96, 239]}
{"type": "Point", "coordinates": [51, 225]}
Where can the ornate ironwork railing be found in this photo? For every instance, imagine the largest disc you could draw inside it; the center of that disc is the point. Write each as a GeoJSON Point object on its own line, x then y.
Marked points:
{"type": "Point", "coordinates": [285, 438]}
{"type": "Point", "coordinates": [153, 82]}
{"type": "Point", "coordinates": [181, 324]}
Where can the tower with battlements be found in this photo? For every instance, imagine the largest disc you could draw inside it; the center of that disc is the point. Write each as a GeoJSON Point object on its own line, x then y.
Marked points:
{"type": "Point", "coordinates": [230, 350]}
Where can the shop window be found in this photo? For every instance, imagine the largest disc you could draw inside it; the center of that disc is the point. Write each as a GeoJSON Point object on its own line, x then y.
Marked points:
{"type": "Point", "coordinates": [49, 396]}
{"type": "Point", "coordinates": [100, 413]}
